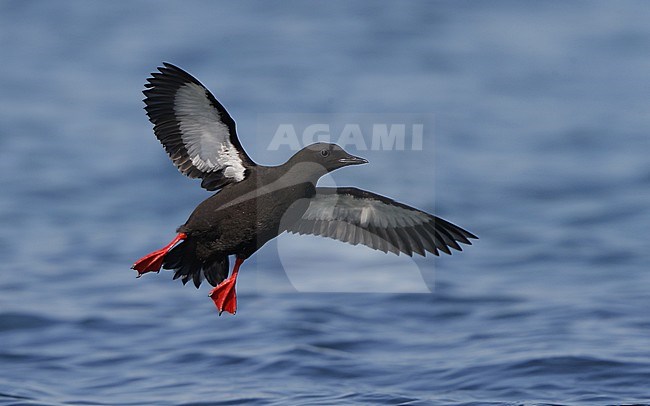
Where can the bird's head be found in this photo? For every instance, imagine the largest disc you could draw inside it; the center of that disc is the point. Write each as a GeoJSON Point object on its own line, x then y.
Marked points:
{"type": "Point", "coordinates": [322, 157]}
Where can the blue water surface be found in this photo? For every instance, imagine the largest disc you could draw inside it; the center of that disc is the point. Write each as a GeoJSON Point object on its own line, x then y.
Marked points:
{"type": "Point", "coordinates": [536, 118]}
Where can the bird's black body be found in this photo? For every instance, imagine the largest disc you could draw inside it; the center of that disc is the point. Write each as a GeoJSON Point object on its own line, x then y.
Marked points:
{"type": "Point", "coordinates": [243, 216]}
{"type": "Point", "coordinates": [256, 203]}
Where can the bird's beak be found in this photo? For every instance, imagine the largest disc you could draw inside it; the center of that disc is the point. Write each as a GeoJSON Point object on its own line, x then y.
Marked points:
{"type": "Point", "coordinates": [353, 160]}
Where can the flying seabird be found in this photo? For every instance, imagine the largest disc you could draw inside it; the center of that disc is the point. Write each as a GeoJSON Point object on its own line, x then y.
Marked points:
{"type": "Point", "coordinates": [254, 203]}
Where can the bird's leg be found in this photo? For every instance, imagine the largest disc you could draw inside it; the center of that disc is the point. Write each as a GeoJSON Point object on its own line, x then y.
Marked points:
{"type": "Point", "coordinates": [153, 261]}
{"type": "Point", "coordinates": [224, 295]}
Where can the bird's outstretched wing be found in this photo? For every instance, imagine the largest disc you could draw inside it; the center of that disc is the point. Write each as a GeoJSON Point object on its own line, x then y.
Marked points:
{"type": "Point", "coordinates": [196, 130]}
{"type": "Point", "coordinates": [356, 216]}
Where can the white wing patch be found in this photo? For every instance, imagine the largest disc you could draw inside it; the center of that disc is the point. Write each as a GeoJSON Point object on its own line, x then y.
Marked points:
{"type": "Point", "coordinates": [205, 136]}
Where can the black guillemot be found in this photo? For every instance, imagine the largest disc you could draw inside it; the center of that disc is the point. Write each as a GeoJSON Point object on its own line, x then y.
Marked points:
{"type": "Point", "coordinates": [256, 203]}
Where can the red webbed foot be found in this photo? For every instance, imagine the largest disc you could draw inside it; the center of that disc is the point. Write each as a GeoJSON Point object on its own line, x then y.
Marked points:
{"type": "Point", "coordinates": [224, 295]}
{"type": "Point", "coordinates": [153, 261]}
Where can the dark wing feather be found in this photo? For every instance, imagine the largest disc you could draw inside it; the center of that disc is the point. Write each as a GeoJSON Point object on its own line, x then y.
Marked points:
{"type": "Point", "coordinates": [196, 130]}
{"type": "Point", "coordinates": [356, 216]}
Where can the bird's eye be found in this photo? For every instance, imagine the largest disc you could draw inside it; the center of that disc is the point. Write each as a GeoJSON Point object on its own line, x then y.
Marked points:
{"type": "Point", "coordinates": [325, 152]}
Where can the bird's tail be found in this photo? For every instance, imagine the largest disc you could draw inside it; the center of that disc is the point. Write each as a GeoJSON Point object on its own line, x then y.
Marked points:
{"type": "Point", "coordinates": [183, 259]}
